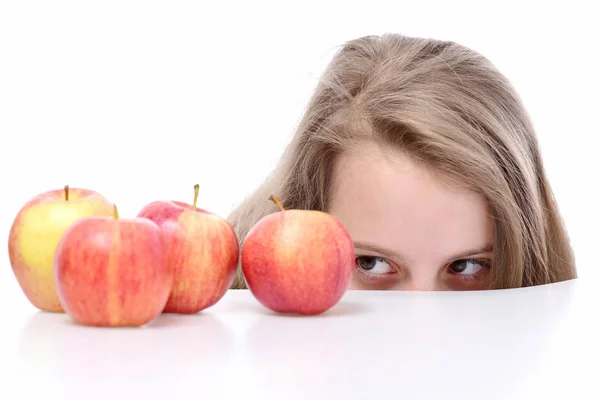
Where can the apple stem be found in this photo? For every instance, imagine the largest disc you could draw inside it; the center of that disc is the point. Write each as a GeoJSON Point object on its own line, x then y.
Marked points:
{"type": "Point", "coordinates": [277, 202]}
{"type": "Point", "coordinates": [115, 211]}
{"type": "Point", "coordinates": [196, 190]}
{"type": "Point", "coordinates": [66, 192]}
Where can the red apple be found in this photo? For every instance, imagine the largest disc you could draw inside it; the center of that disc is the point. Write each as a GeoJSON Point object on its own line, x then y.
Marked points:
{"type": "Point", "coordinates": [35, 233]}
{"type": "Point", "coordinates": [203, 253]}
{"type": "Point", "coordinates": [113, 272]}
{"type": "Point", "coordinates": [298, 261]}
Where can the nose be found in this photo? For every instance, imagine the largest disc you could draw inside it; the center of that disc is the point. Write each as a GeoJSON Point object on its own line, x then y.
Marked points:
{"type": "Point", "coordinates": [421, 288]}
{"type": "Point", "coordinates": [422, 284]}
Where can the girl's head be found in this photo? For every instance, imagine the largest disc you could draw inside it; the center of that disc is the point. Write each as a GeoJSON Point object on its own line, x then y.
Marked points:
{"type": "Point", "coordinates": [426, 154]}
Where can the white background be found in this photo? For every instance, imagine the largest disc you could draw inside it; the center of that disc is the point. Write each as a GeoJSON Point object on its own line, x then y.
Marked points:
{"type": "Point", "coordinates": [141, 100]}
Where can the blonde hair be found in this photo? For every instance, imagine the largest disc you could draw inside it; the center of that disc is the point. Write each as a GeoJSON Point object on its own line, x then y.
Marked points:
{"type": "Point", "coordinates": [446, 106]}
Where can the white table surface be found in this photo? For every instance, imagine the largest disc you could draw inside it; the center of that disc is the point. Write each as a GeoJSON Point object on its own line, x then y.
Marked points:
{"type": "Point", "coordinates": [533, 343]}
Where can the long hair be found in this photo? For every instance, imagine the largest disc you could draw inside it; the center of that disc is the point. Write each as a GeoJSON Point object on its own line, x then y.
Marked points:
{"type": "Point", "coordinates": [446, 106]}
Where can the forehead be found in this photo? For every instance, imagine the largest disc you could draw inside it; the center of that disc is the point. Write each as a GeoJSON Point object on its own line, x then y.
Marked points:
{"type": "Point", "coordinates": [384, 197]}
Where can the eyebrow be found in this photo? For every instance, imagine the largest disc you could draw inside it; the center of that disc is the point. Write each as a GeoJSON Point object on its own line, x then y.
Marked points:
{"type": "Point", "coordinates": [402, 259]}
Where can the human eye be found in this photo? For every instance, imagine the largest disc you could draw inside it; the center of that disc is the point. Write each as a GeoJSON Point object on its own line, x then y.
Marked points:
{"type": "Point", "coordinates": [373, 267]}
{"type": "Point", "coordinates": [468, 268]}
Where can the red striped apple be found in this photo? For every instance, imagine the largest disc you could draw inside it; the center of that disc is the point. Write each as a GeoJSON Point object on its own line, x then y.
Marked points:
{"type": "Point", "coordinates": [298, 261]}
{"type": "Point", "coordinates": [35, 233]}
{"type": "Point", "coordinates": [113, 272]}
{"type": "Point", "coordinates": [203, 253]}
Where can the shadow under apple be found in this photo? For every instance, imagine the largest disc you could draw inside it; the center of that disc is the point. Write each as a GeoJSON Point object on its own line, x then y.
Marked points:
{"type": "Point", "coordinates": [172, 348]}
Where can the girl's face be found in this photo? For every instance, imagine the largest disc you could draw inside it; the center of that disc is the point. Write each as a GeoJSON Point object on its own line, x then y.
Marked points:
{"type": "Point", "coordinates": [411, 230]}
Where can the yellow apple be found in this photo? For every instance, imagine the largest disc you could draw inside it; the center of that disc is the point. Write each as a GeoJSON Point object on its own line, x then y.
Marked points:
{"type": "Point", "coordinates": [36, 232]}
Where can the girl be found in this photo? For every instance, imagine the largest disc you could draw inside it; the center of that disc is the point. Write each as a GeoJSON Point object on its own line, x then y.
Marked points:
{"type": "Point", "coordinates": [424, 151]}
